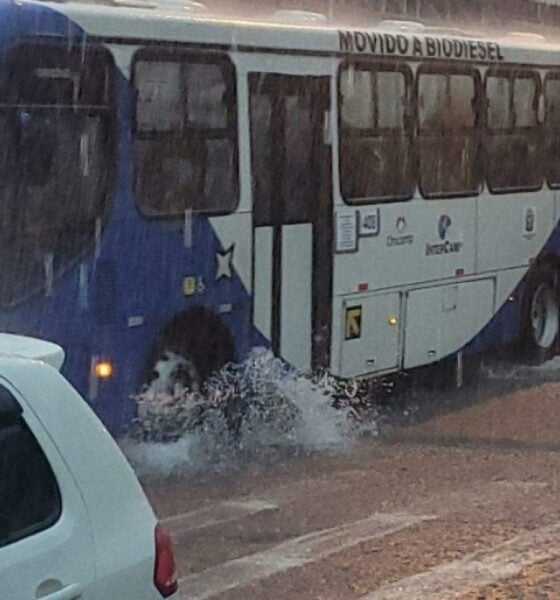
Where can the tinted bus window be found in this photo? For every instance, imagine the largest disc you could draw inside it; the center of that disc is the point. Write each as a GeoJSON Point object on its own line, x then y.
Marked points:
{"type": "Point", "coordinates": [552, 129]}
{"type": "Point", "coordinates": [447, 101]}
{"type": "Point", "coordinates": [448, 140]}
{"type": "Point", "coordinates": [185, 137]}
{"type": "Point", "coordinates": [287, 119]}
{"type": "Point", "coordinates": [376, 145]}
{"type": "Point", "coordinates": [56, 158]}
{"type": "Point", "coordinates": [525, 101]}
{"type": "Point", "coordinates": [513, 145]}
{"type": "Point", "coordinates": [499, 108]}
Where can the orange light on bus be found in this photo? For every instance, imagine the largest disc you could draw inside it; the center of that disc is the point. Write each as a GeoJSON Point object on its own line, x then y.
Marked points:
{"type": "Point", "coordinates": [103, 369]}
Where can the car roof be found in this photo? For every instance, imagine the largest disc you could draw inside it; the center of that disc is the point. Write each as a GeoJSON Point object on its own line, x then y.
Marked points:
{"type": "Point", "coordinates": [31, 348]}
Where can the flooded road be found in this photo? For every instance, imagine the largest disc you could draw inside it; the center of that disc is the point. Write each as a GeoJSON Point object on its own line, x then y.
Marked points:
{"type": "Point", "coordinates": [462, 503]}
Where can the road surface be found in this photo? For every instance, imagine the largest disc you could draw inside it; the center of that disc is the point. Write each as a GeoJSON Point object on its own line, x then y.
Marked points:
{"type": "Point", "coordinates": [464, 504]}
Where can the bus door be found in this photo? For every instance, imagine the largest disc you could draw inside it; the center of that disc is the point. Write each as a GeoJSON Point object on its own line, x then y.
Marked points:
{"type": "Point", "coordinates": [292, 215]}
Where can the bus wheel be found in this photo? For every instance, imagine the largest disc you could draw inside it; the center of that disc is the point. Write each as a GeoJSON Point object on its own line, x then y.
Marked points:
{"type": "Point", "coordinates": [541, 317]}
{"type": "Point", "coordinates": [193, 346]}
{"type": "Point", "coordinates": [170, 370]}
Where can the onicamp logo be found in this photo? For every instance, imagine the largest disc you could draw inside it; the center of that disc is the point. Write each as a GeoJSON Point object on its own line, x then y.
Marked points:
{"type": "Point", "coordinates": [402, 239]}
{"type": "Point", "coordinates": [444, 224]}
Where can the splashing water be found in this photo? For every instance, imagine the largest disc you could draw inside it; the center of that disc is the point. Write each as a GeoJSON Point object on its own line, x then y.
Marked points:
{"type": "Point", "coordinates": [514, 371]}
{"type": "Point", "coordinates": [254, 408]}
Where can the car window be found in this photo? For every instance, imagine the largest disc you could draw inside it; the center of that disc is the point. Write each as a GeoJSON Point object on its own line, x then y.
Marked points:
{"type": "Point", "coordinates": [29, 495]}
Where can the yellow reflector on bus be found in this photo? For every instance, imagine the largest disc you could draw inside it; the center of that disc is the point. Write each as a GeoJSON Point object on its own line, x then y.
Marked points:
{"type": "Point", "coordinates": [103, 369]}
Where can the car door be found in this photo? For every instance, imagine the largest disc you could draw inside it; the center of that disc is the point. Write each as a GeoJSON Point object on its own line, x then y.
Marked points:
{"type": "Point", "coordinates": [45, 537]}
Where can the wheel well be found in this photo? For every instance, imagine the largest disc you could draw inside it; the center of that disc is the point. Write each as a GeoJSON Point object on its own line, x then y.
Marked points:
{"type": "Point", "coordinates": [549, 261]}
{"type": "Point", "coordinates": [530, 349]}
{"type": "Point", "coordinates": [546, 264]}
{"type": "Point", "coordinates": [197, 334]}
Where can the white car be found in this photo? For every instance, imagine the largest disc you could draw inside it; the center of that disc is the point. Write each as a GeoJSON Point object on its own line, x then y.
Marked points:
{"type": "Point", "coordinates": [74, 521]}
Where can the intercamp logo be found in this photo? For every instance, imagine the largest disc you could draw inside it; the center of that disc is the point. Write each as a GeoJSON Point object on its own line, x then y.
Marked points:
{"type": "Point", "coordinates": [443, 225]}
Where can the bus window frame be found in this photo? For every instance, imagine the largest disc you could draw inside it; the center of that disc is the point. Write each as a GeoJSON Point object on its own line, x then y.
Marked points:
{"type": "Point", "coordinates": [442, 68]}
{"type": "Point", "coordinates": [109, 198]}
{"type": "Point", "coordinates": [512, 72]}
{"type": "Point", "coordinates": [555, 76]}
{"type": "Point", "coordinates": [204, 55]}
{"type": "Point", "coordinates": [410, 117]}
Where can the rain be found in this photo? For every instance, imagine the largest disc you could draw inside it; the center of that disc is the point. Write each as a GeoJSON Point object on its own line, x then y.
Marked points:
{"type": "Point", "coordinates": [280, 299]}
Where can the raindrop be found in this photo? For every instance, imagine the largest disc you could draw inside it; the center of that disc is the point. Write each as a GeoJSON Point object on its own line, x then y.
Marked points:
{"type": "Point", "coordinates": [187, 229]}
{"type": "Point", "coordinates": [48, 265]}
{"type": "Point", "coordinates": [98, 230]}
{"type": "Point", "coordinates": [84, 154]}
{"type": "Point", "coordinates": [83, 294]}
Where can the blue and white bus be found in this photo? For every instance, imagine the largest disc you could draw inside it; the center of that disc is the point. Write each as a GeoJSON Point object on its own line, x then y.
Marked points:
{"type": "Point", "coordinates": [365, 201]}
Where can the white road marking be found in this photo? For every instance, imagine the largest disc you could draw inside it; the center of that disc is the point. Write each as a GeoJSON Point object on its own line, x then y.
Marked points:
{"type": "Point", "coordinates": [477, 570]}
{"type": "Point", "coordinates": [232, 510]}
{"type": "Point", "coordinates": [224, 512]}
{"type": "Point", "coordinates": [295, 552]}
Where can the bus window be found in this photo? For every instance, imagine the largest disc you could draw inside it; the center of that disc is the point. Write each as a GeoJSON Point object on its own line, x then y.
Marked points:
{"type": "Point", "coordinates": [376, 149]}
{"type": "Point", "coordinates": [513, 156]}
{"type": "Point", "coordinates": [283, 111]}
{"type": "Point", "coordinates": [299, 130]}
{"type": "Point", "coordinates": [552, 95]}
{"type": "Point", "coordinates": [56, 105]}
{"type": "Point", "coordinates": [357, 107]}
{"type": "Point", "coordinates": [261, 156]}
{"type": "Point", "coordinates": [185, 136]}
{"type": "Point", "coordinates": [499, 109]}
{"type": "Point", "coordinates": [55, 123]}
{"type": "Point", "coordinates": [448, 140]}
{"type": "Point", "coordinates": [158, 98]}
{"type": "Point", "coordinates": [525, 102]}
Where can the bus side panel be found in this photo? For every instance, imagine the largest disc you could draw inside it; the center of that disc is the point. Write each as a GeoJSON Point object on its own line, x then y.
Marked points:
{"type": "Point", "coordinates": [513, 228]}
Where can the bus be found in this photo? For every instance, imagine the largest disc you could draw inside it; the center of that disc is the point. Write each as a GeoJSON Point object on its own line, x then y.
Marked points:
{"type": "Point", "coordinates": [364, 201]}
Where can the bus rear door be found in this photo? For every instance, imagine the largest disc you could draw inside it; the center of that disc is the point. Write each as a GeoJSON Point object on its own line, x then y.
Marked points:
{"type": "Point", "coordinates": [292, 215]}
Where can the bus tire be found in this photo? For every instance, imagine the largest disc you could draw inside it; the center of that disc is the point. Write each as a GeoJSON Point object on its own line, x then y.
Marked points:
{"type": "Point", "coordinates": [540, 325]}
{"type": "Point", "coordinates": [199, 344]}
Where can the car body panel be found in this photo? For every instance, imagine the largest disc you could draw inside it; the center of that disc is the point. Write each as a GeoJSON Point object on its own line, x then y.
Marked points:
{"type": "Point", "coordinates": [102, 498]}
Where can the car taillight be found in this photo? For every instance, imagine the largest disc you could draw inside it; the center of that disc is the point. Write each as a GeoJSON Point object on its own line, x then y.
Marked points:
{"type": "Point", "coordinates": [165, 578]}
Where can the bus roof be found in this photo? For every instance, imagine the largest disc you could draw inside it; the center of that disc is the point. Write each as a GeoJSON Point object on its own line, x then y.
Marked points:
{"type": "Point", "coordinates": [168, 21]}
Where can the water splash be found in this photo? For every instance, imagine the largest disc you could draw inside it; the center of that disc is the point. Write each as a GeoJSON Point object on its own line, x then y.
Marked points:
{"type": "Point", "coordinates": [256, 409]}
{"type": "Point", "coordinates": [504, 370]}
